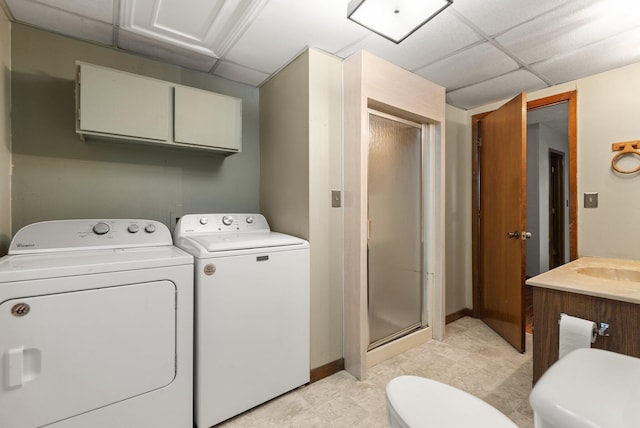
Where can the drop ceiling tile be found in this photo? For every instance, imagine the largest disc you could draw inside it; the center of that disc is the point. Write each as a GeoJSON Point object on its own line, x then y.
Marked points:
{"type": "Point", "coordinates": [164, 51]}
{"type": "Point", "coordinates": [240, 74]}
{"type": "Point", "coordinates": [495, 16]}
{"type": "Point", "coordinates": [101, 10]}
{"type": "Point", "coordinates": [614, 52]}
{"type": "Point", "coordinates": [571, 26]}
{"type": "Point", "coordinates": [487, 61]}
{"type": "Point", "coordinates": [284, 28]}
{"type": "Point", "coordinates": [499, 88]}
{"type": "Point", "coordinates": [439, 37]}
{"type": "Point", "coordinates": [61, 21]}
{"type": "Point", "coordinates": [204, 27]}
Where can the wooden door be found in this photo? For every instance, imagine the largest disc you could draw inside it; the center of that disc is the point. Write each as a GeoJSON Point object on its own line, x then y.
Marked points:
{"type": "Point", "coordinates": [503, 219]}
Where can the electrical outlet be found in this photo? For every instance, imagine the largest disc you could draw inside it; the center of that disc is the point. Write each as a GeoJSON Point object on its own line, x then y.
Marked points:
{"type": "Point", "coordinates": [173, 219]}
{"type": "Point", "coordinates": [591, 199]}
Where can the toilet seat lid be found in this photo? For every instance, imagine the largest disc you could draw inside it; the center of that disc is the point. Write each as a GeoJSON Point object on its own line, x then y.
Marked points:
{"type": "Point", "coordinates": [422, 402]}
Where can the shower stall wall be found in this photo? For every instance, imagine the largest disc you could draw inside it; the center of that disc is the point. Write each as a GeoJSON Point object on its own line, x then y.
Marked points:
{"type": "Point", "coordinates": [394, 232]}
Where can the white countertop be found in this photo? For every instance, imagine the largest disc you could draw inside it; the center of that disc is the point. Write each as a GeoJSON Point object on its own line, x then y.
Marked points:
{"type": "Point", "coordinates": [614, 279]}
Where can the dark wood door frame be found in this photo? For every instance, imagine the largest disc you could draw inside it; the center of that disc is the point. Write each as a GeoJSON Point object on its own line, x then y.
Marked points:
{"type": "Point", "coordinates": [571, 99]}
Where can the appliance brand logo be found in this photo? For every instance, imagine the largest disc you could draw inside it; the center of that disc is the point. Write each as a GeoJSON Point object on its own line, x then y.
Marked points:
{"type": "Point", "coordinates": [19, 245]}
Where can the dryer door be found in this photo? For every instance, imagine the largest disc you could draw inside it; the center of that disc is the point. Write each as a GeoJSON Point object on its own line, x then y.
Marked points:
{"type": "Point", "coordinates": [68, 353]}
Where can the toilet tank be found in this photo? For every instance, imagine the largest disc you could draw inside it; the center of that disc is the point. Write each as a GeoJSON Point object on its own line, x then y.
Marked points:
{"type": "Point", "coordinates": [588, 388]}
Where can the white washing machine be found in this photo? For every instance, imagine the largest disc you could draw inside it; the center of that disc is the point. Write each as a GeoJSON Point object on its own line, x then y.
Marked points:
{"type": "Point", "coordinates": [252, 312]}
{"type": "Point", "coordinates": [96, 327]}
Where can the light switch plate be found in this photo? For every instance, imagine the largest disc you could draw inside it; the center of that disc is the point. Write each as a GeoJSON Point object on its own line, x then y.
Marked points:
{"type": "Point", "coordinates": [335, 199]}
{"type": "Point", "coordinates": [591, 199]}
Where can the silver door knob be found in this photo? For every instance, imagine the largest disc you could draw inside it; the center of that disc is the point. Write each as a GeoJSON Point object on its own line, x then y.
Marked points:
{"type": "Point", "coordinates": [513, 235]}
{"type": "Point", "coordinates": [525, 235]}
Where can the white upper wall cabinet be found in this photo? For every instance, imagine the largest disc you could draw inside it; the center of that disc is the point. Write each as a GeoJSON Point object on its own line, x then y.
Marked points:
{"type": "Point", "coordinates": [207, 119]}
{"type": "Point", "coordinates": [123, 104]}
{"type": "Point", "coordinates": [112, 104]}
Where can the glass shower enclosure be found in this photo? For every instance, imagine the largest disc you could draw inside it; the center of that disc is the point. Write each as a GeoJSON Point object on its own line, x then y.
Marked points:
{"type": "Point", "coordinates": [395, 228]}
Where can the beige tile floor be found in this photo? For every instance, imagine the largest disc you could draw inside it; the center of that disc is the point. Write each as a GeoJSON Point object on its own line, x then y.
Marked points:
{"type": "Point", "coordinates": [471, 357]}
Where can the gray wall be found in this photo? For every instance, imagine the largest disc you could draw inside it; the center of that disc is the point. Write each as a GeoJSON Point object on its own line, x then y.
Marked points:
{"type": "Point", "coordinates": [57, 176]}
{"type": "Point", "coordinates": [5, 132]}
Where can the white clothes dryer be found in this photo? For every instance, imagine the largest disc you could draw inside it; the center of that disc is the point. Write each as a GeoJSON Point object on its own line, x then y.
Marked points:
{"type": "Point", "coordinates": [252, 312]}
{"type": "Point", "coordinates": [96, 327]}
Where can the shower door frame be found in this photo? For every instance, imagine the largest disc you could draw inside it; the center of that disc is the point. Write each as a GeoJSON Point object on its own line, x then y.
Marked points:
{"type": "Point", "coordinates": [424, 223]}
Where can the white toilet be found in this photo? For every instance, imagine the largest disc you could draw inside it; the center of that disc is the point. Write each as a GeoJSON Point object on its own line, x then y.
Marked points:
{"type": "Point", "coordinates": [588, 388]}
{"type": "Point", "coordinates": [416, 402]}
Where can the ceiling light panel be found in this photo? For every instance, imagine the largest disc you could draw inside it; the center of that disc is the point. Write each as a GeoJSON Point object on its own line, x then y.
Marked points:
{"type": "Point", "coordinates": [206, 27]}
{"type": "Point", "coordinates": [487, 61]}
{"type": "Point", "coordinates": [395, 19]}
{"type": "Point", "coordinates": [570, 27]}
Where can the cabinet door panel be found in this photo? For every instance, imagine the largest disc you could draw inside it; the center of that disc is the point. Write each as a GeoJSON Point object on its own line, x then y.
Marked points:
{"type": "Point", "coordinates": [207, 119]}
{"type": "Point", "coordinates": [123, 104]}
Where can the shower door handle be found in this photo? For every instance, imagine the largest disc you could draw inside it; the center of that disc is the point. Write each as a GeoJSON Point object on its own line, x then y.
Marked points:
{"type": "Point", "coordinates": [513, 235]}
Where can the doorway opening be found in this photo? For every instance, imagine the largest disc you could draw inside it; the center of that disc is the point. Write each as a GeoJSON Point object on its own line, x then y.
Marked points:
{"type": "Point", "coordinates": [556, 209]}
{"type": "Point", "coordinates": [554, 237]}
{"type": "Point", "coordinates": [547, 188]}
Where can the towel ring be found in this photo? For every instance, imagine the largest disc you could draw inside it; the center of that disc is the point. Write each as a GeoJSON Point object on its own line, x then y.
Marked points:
{"type": "Point", "coordinates": [626, 148]}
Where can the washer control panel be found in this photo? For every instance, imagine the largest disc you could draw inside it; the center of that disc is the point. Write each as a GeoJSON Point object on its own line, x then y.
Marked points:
{"type": "Point", "coordinates": [70, 235]}
{"type": "Point", "coordinates": [194, 224]}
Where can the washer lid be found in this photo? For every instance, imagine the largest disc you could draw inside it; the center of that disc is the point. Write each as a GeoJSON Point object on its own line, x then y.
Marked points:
{"type": "Point", "coordinates": [237, 241]}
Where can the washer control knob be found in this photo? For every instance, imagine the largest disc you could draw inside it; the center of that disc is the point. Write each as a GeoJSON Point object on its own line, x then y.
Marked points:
{"type": "Point", "coordinates": [227, 220]}
{"type": "Point", "coordinates": [101, 228]}
{"type": "Point", "coordinates": [150, 228]}
{"type": "Point", "coordinates": [133, 228]}
{"type": "Point", "coordinates": [249, 220]}
{"type": "Point", "coordinates": [204, 221]}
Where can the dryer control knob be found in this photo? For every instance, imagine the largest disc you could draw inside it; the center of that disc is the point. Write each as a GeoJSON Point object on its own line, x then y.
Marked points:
{"type": "Point", "coordinates": [249, 220]}
{"type": "Point", "coordinates": [227, 220]}
{"type": "Point", "coordinates": [133, 228]}
{"type": "Point", "coordinates": [150, 228]}
{"type": "Point", "coordinates": [101, 228]}
{"type": "Point", "coordinates": [204, 221]}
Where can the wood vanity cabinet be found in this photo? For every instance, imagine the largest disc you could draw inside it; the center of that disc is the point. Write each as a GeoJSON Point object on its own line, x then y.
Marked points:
{"type": "Point", "coordinates": [622, 317]}
{"type": "Point", "coordinates": [112, 104]}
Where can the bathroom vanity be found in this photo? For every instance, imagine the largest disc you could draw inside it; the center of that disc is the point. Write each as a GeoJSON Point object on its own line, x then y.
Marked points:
{"type": "Point", "coordinates": [596, 289]}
